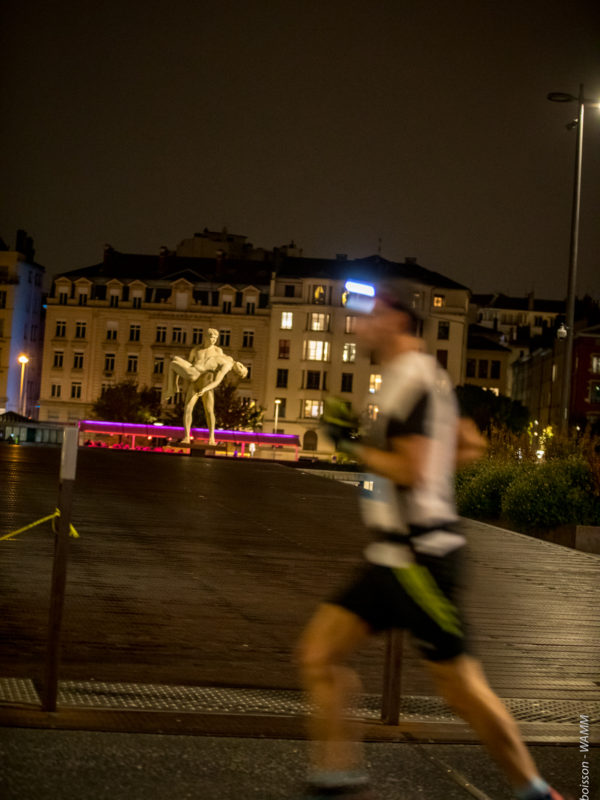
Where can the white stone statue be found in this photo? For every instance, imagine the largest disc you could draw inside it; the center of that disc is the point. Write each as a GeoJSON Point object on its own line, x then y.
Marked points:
{"type": "Point", "coordinates": [202, 372]}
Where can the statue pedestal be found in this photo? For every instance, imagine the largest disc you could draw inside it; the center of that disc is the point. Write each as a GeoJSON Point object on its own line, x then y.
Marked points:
{"type": "Point", "coordinates": [202, 449]}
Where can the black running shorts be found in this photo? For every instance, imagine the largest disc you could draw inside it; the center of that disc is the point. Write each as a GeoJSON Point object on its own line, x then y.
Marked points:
{"type": "Point", "coordinates": [425, 602]}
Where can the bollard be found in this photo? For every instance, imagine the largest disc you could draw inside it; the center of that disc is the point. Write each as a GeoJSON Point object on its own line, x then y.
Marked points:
{"type": "Point", "coordinates": [392, 676]}
{"type": "Point", "coordinates": [68, 465]}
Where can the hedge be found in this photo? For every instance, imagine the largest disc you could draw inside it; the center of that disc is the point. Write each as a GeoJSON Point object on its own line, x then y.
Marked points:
{"type": "Point", "coordinates": [481, 487]}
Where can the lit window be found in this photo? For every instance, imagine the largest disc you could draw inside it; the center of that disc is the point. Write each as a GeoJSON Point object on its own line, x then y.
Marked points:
{"type": "Point", "coordinates": [349, 352]}
{"type": "Point", "coordinates": [319, 295]}
{"type": "Point", "coordinates": [316, 350]}
{"type": "Point", "coordinates": [350, 324]}
{"type": "Point", "coordinates": [438, 300]}
{"type": "Point", "coordinates": [374, 383]}
{"type": "Point", "coordinates": [313, 408]}
{"type": "Point", "coordinates": [319, 322]}
{"type": "Point", "coordinates": [287, 318]}
{"type": "Point", "coordinates": [372, 411]}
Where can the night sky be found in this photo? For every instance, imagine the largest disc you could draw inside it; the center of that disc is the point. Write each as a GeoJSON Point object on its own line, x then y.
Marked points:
{"type": "Point", "coordinates": [333, 123]}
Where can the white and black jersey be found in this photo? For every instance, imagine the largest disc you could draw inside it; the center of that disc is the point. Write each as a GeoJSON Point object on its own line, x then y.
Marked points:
{"type": "Point", "coordinates": [416, 397]}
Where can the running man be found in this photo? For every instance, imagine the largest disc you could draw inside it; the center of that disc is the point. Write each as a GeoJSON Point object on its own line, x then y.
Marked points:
{"type": "Point", "coordinates": [412, 575]}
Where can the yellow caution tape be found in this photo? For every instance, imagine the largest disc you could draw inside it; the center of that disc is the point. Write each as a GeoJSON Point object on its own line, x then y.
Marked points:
{"type": "Point", "coordinates": [50, 517]}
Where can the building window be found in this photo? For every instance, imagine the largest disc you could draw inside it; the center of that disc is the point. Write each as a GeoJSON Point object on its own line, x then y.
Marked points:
{"type": "Point", "coordinates": [136, 301]}
{"type": "Point", "coordinates": [350, 326]}
{"type": "Point", "coordinates": [595, 364]}
{"type": "Point", "coordinates": [482, 368]}
{"type": "Point", "coordinates": [287, 318]}
{"type": "Point", "coordinates": [161, 334]}
{"type": "Point", "coordinates": [318, 295]}
{"type": "Point", "coordinates": [374, 382]}
{"type": "Point", "coordinates": [58, 359]}
{"type": "Point", "coordinates": [282, 379]}
{"type": "Point", "coordinates": [63, 298]}
{"type": "Point", "coordinates": [538, 322]}
{"type": "Point", "coordinates": [284, 348]}
{"type": "Point", "coordinates": [250, 307]}
{"type": "Point", "coordinates": [197, 334]}
{"type": "Point", "coordinates": [224, 337]}
{"type": "Point", "coordinates": [178, 336]}
{"type": "Point", "coordinates": [2, 299]}
{"type": "Point", "coordinates": [349, 352]}
{"type": "Point", "coordinates": [248, 339]}
{"type": "Point", "coordinates": [134, 333]}
{"type": "Point", "coordinates": [55, 390]}
{"type": "Point", "coordinates": [442, 357]}
{"type": "Point", "coordinates": [319, 322]}
{"type": "Point", "coordinates": [315, 350]}
{"type": "Point", "coordinates": [471, 362]}
{"type": "Point", "coordinates": [372, 411]}
{"type": "Point", "coordinates": [347, 379]}
{"type": "Point", "coordinates": [77, 360]}
{"type": "Point", "coordinates": [280, 402]}
{"type": "Point", "coordinates": [226, 307]}
{"type": "Point", "coordinates": [159, 366]}
{"type": "Point", "coordinates": [443, 330]}
{"type": "Point", "coordinates": [61, 329]}
{"type": "Point", "coordinates": [80, 329]}
{"type": "Point", "coordinates": [313, 408]}
{"type": "Point", "coordinates": [132, 363]}
{"type": "Point", "coordinates": [76, 390]}
{"type": "Point", "coordinates": [495, 370]}
{"type": "Point", "coordinates": [249, 372]}
{"type": "Point", "coordinates": [83, 298]}
{"type": "Point", "coordinates": [114, 300]}
{"type": "Point", "coordinates": [439, 301]}
{"type": "Point", "coordinates": [595, 392]}
{"type": "Point", "coordinates": [289, 290]}
{"type": "Point", "coordinates": [313, 379]}
{"type": "Point", "coordinates": [109, 362]}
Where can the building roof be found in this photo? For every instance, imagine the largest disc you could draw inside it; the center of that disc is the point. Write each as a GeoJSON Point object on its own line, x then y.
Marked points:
{"type": "Point", "coordinates": [527, 303]}
{"type": "Point", "coordinates": [168, 267]}
{"type": "Point", "coordinates": [477, 342]}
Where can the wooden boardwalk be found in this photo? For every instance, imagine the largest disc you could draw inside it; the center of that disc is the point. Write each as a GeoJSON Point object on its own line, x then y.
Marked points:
{"type": "Point", "coordinates": [195, 571]}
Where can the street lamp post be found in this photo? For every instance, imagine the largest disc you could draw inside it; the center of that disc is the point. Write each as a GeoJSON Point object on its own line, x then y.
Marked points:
{"type": "Point", "coordinates": [563, 97]}
{"type": "Point", "coordinates": [277, 404]}
{"type": "Point", "coordinates": [23, 360]}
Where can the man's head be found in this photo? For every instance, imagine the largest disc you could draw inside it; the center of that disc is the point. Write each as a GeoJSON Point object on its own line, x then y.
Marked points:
{"type": "Point", "coordinates": [212, 335]}
{"type": "Point", "coordinates": [392, 322]}
{"type": "Point", "coordinates": [239, 369]}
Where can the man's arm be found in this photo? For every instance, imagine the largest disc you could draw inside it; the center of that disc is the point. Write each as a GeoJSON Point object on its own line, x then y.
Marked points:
{"type": "Point", "coordinates": [403, 463]}
{"type": "Point", "coordinates": [220, 373]}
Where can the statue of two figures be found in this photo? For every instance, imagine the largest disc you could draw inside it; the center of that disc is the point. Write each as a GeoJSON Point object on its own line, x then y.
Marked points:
{"type": "Point", "coordinates": [200, 375]}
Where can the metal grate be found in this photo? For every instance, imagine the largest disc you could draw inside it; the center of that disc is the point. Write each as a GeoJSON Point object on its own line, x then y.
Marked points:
{"type": "Point", "coordinates": [18, 690]}
{"type": "Point", "coordinates": [288, 702]}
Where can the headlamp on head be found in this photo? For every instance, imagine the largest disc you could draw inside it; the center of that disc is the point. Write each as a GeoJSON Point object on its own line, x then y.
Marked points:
{"type": "Point", "coordinates": [359, 296]}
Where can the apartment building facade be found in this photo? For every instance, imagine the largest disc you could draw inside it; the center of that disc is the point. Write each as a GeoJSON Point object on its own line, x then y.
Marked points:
{"type": "Point", "coordinates": [21, 332]}
{"type": "Point", "coordinates": [281, 315]}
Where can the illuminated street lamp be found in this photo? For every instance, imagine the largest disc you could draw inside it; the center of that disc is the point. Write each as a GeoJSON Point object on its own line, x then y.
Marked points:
{"type": "Point", "coordinates": [564, 97]}
{"type": "Point", "coordinates": [277, 404]}
{"type": "Point", "coordinates": [23, 360]}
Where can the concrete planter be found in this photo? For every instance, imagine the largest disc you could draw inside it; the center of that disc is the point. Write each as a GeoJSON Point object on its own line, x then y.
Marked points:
{"type": "Point", "coordinates": [587, 538]}
{"type": "Point", "coordinates": [579, 537]}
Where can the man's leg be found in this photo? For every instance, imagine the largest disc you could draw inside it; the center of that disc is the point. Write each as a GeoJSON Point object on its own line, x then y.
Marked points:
{"type": "Point", "coordinates": [329, 638]}
{"type": "Point", "coordinates": [462, 683]}
{"type": "Point", "coordinates": [190, 401]}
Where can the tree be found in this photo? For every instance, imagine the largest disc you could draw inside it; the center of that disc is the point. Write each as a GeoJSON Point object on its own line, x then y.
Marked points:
{"type": "Point", "coordinates": [124, 403]}
{"type": "Point", "coordinates": [230, 412]}
{"type": "Point", "coordinates": [488, 409]}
